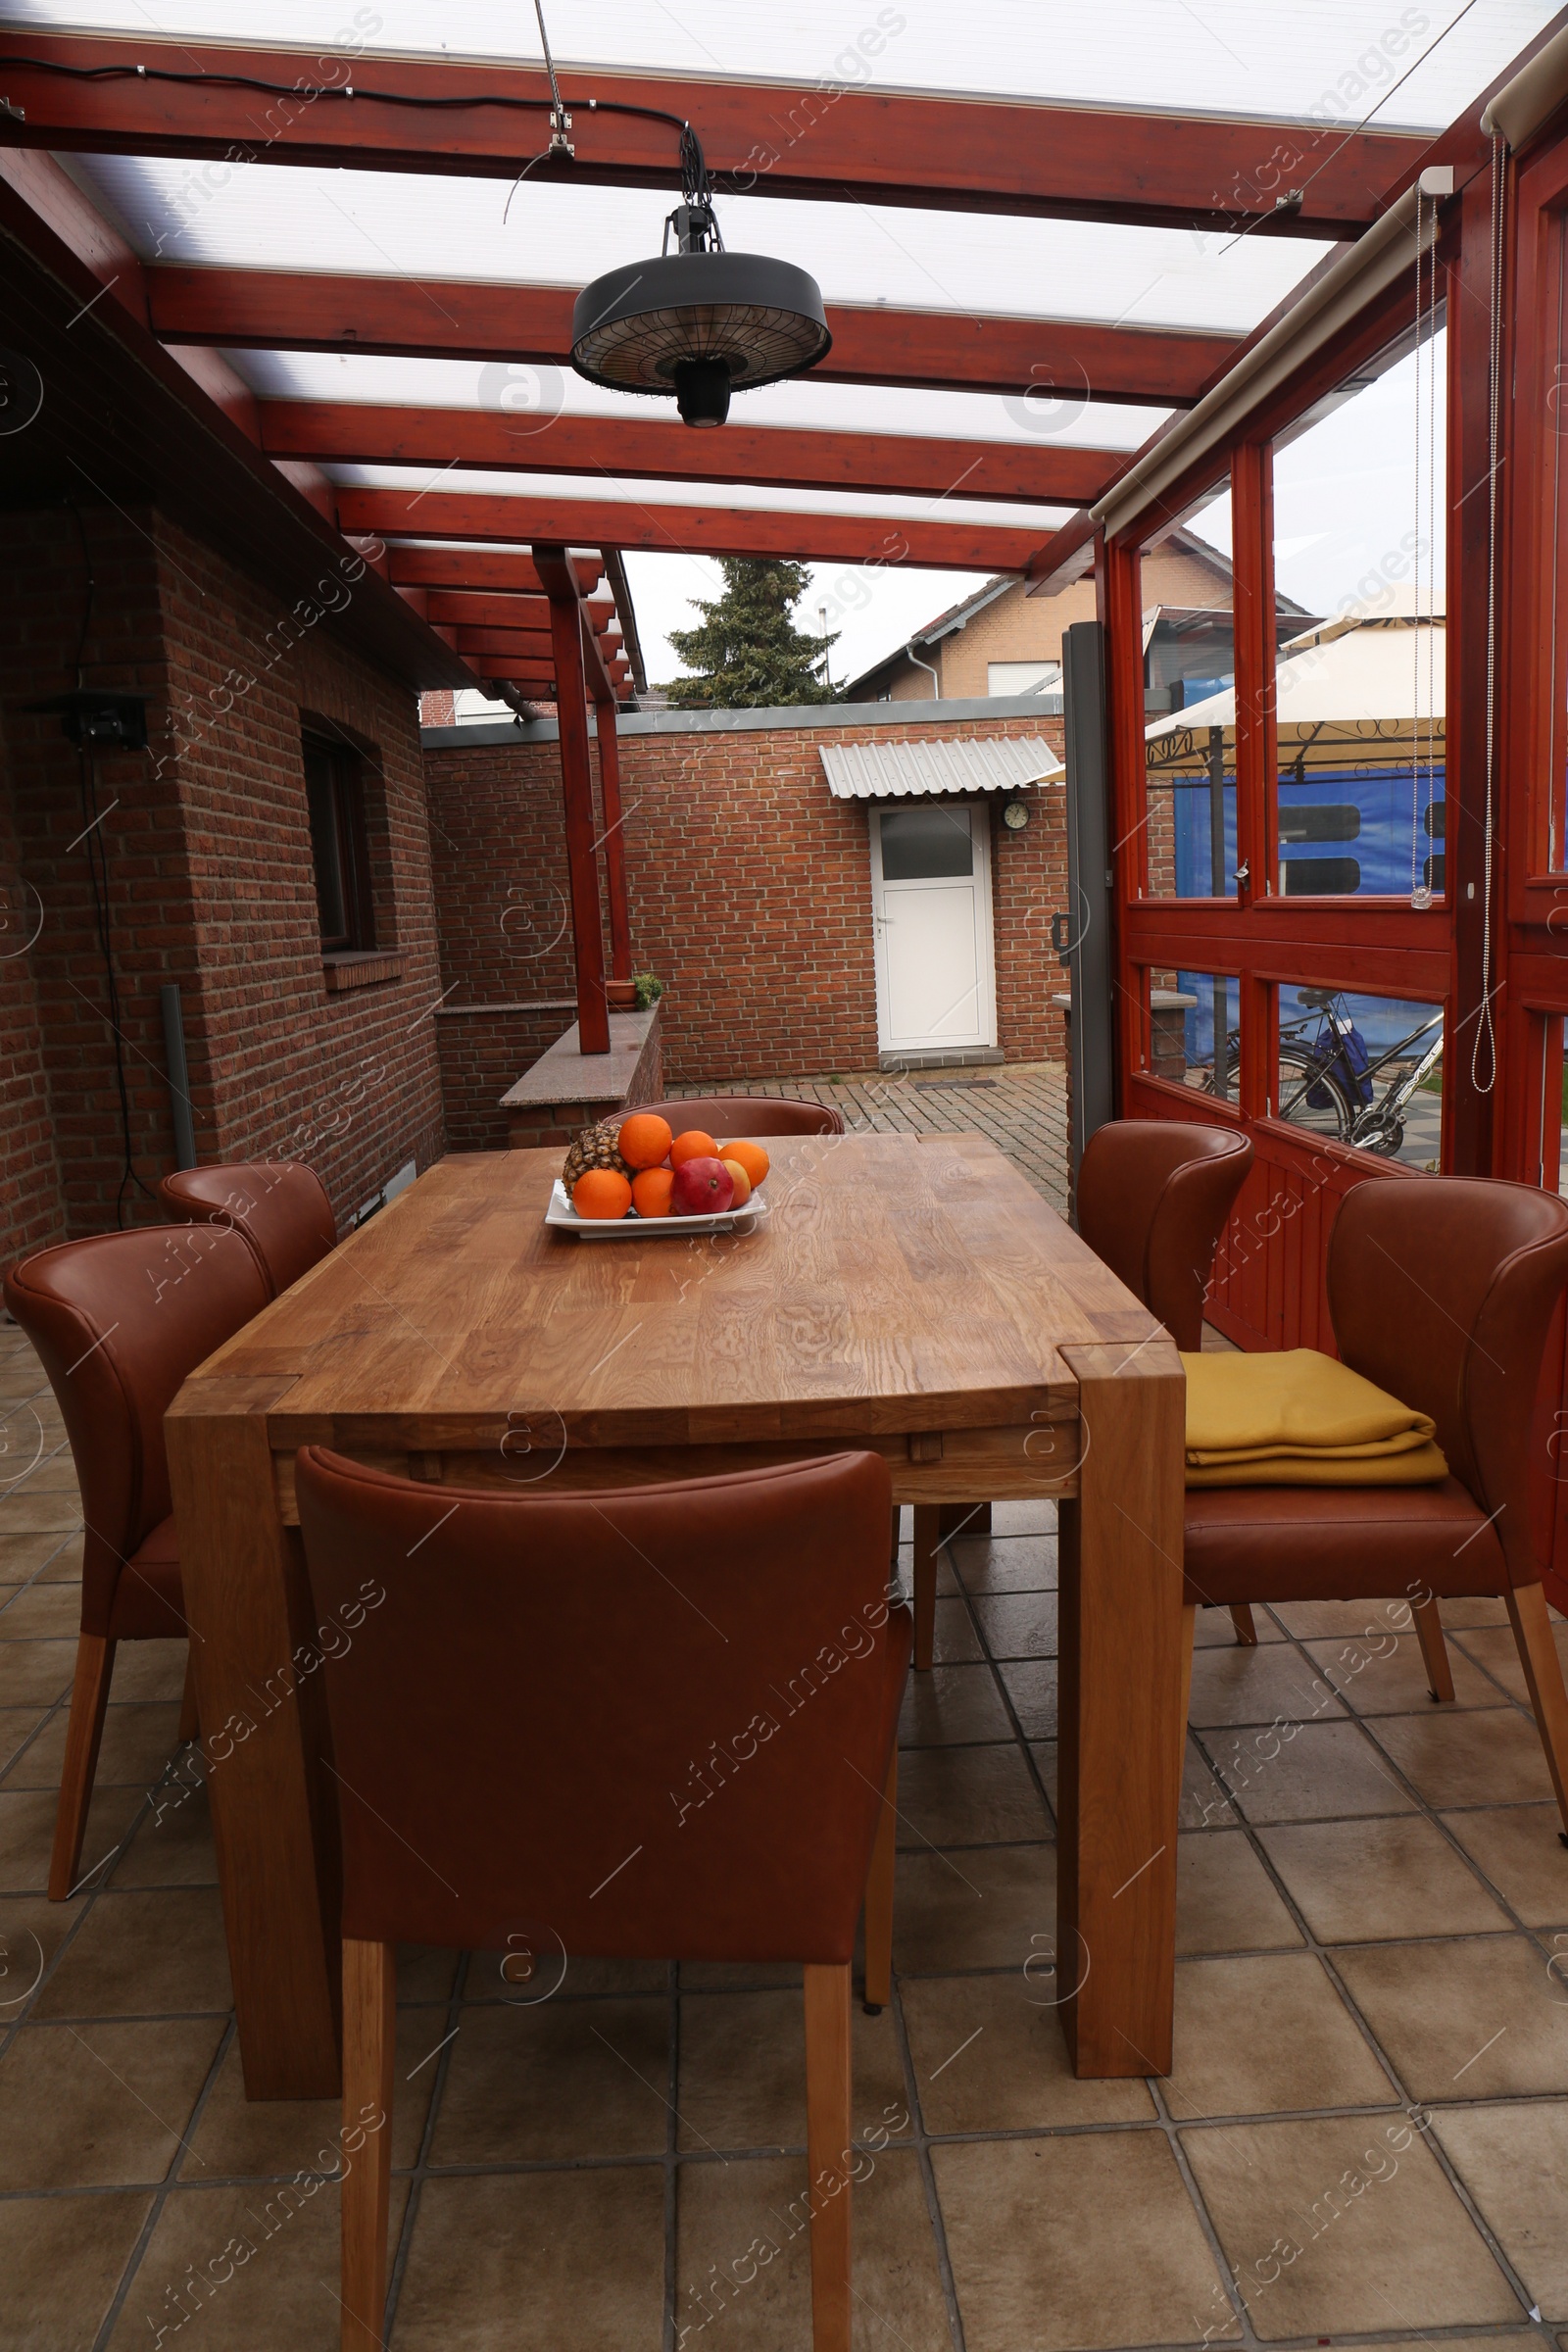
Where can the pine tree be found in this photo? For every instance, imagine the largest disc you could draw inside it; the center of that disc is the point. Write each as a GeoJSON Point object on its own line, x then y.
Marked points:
{"type": "Point", "coordinates": [747, 652]}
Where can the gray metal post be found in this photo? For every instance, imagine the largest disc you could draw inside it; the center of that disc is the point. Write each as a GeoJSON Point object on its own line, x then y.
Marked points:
{"type": "Point", "coordinates": [1089, 960]}
{"type": "Point", "coordinates": [179, 1110]}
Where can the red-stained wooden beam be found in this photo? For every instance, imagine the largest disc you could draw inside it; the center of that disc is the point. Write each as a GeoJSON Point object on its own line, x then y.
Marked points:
{"type": "Point", "coordinates": [479, 569]}
{"type": "Point", "coordinates": [935, 349]}
{"type": "Point", "coordinates": [524, 643]}
{"type": "Point", "coordinates": [706, 530]}
{"type": "Point", "coordinates": [576, 780]}
{"type": "Point", "coordinates": [614, 841]}
{"type": "Point", "coordinates": [351, 432]}
{"type": "Point", "coordinates": [462, 607]}
{"type": "Point", "coordinates": [832, 139]}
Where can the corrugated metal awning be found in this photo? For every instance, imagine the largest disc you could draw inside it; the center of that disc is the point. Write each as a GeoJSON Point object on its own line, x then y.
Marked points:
{"type": "Point", "coordinates": [896, 771]}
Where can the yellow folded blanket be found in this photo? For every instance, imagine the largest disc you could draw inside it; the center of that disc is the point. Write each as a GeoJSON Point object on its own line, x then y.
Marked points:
{"type": "Point", "coordinates": [1296, 1418]}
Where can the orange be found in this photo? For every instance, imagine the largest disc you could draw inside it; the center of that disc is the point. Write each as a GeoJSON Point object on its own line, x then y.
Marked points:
{"type": "Point", "coordinates": [693, 1144]}
{"type": "Point", "coordinates": [644, 1140]}
{"type": "Point", "coordinates": [600, 1193]}
{"type": "Point", "coordinates": [650, 1190]}
{"type": "Point", "coordinates": [753, 1159]}
{"type": "Point", "coordinates": [742, 1183]}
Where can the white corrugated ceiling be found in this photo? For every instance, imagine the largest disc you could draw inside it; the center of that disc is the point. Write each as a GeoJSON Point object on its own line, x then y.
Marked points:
{"type": "Point", "coordinates": [898, 772]}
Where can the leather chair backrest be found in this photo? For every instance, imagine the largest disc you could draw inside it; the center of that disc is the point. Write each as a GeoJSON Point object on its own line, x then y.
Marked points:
{"type": "Point", "coordinates": [724, 1115]}
{"type": "Point", "coordinates": [652, 1721]}
{"type": "Point", "coordinates": [1152, 1199]}
{"type": "Point", "coordinates": [1442, 1290]}
{"type": "Point", "coordinates": [121, 1322]}
{"type": "Point", "coordinates": [279, 1208]}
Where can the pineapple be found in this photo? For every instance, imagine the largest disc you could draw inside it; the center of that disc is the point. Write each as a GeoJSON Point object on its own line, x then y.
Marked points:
{"type": "Point", "coordinates": [595, 1148]}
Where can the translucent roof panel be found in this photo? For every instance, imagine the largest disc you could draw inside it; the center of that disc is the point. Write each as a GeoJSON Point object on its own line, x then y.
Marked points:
{"type": "Point", "coordinates": [801, 404]}
{"type": "Point", "coordinates": [643, 496]}
{"type": "Point", "coordinates": [409, 225]}
{"type": "Point", "coordinates": [1337, 57]}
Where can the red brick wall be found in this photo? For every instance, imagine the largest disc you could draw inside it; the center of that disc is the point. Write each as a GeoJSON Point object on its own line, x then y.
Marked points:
{"type": "Point", "coordinates": [206, 843]}
{"type": "Point", "coordinates": [750, 889]}
{"type": "Point", "coordinates": [482, 1054]}
{"type": "Point", "coordinates": [30, 1207]}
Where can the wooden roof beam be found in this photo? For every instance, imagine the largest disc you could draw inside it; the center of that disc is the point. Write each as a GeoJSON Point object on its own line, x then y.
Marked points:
{"type": "Point", "coordinates": [942, 351]}
{"type": "Point", "coordinates": [830, 141]}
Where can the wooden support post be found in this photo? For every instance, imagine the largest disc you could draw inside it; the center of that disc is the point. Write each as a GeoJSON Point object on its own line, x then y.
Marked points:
{"type": "Point", "coordinates": [577, 784]}
{"type": "Point", "coordinates": [615, 839]}
{"type": "Point", "coordinates": [1120, 1769]}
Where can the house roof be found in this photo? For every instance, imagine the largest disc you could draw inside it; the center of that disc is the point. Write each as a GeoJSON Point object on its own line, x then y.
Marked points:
{"type": "Point", "coordinates": [898, 771]}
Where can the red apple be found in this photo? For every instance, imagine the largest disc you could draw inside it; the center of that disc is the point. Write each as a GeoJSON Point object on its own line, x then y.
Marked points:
{"type": "Point", "coordinates": [701, 1188]}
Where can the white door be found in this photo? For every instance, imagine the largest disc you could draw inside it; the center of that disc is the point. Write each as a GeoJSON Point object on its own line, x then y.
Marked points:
{"type": "Point", "coordinates": [931, 900]}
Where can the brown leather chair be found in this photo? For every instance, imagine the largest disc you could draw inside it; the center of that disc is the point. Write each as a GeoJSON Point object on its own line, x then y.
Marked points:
{"type": "Point", "coordinates": [724, 1115]}
{"type": "Point", "coordinates": [651, 1723]}
{"type": "Point", "coordinates": [279, 1208]}
{"type": "Point", "coordinates": [119, 1322]}
{"type": "Point", "coordinates": [1442, 1290]}
{"type": "Point", "coordinates": [1152, 1199]}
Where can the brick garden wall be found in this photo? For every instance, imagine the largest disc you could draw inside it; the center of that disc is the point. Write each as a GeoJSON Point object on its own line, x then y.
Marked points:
{"type": "Point", "coordinates": [206, 846]}
{"type": "Point", "coordinates": [750, 889]}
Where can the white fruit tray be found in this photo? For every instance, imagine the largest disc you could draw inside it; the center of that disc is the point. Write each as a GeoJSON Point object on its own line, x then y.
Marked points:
{"type": "Point", "coordinates": [562, 1214]}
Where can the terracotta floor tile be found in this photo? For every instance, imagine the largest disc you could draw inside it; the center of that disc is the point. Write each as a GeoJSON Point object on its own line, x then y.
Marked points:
{"type": "Point", "coordinates": [172, 1841]}
{"type": "Point", "coordinates": [1235, 1684]}
{"type": "Point", "coordinates": [35, 1673]}
{"type": "Point", "coordinates": [1263, 2034]}
{"type": "Point", "coordinates": [967, 1796]}
{"type": "Point", "coordinates": [1388, 1675]}
{"type": "Point", "coordinates": [1084, 2242]}
{"type": "Point", "coordinates": [742, 2071]}
{"type": "Point", "coordinates": [1018, 1624]}
{"type": "Point", "coordinates": [17, 1726]}
{"type": "Point", "coordinates": [149, 1670]}
{"type": "Point", "coordinates": [1225, 1899]}
{"type": "Point", "coordinates": [426, 1972]}
{"type": "Point", "coordinates": [32, 1931]}
{"type": "Point", "coordinates": [1522, 1853]}
{"type": "Point", "coordinates": [1032, 1686]}
{"type": "Point", "coordinates": [1212, 1628]}
{"type": "Point", "coordinates": [1496, 1649]}
{"type": "Point", "coordinates": [138, 1742]}
{"type": "Point", "coordinates": [978, 1909]}
{"type": "Point", "coordinates": [1326, 1769]}
{"type": "Point", "coordinates": [22, 1556]}
{"type": "Point", "coordinates": [739, 1976]}
{"type": "Point", "coordinates": [1475, 1759]}
{"type": "Point", "coordinates": [64, 1565]}
{"type": "Point", "coordinates": [268, 2257]}
{"type": "Point", "coordinates": [97, 2106]}
{"type": "Point", "coordinates": [485, 1982]}
{"type": "Point", "coordinates": [1474, 2019]}
{"type": "Point", "coordinates": [1514, 2162]}
{"type": "Point", "coordinates": [1204, 1804]}
{"type": "Point", "coordinates": [1402, 2254]}
{"type": "Point", "coordinates": [1350, 1620]}
{"type": "Point", "coordinates": [55, 1473]}
{"type": "Point", "coordinates": [24, 1514]}
{"type": "Point", "coordinates": [274, 2139]}
{"type": "Point", "coordinates": [42, 1612]}
{"type": "Point", "coordinates": [555, 2080]}
{"type": "Point", "coordinates": [537, 2261]}
{"type": "Point", "coordinates": [1007, 1564]}
{"type": "Point", "coordinates": [952, 1703]}
{"type": "Point", "coordinates": [989, 2056]}
{"type": "Point", "coordinates": [1023, 1518]}
{"type": "Point", "coordinates": [142, 1955]}
{"type": "Point", "coordinates": [62, 2258]}
{"type": "Point", "coordinates": [1358, 1881]}
{"type": "Point", "coordinates": [955, 1641]}
{"type": "Point", "coordinates": [28, 1829]}
{"type": "Point", "coordinates": [743, 2257]}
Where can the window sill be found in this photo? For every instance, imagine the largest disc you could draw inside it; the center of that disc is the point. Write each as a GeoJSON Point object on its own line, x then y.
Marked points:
{"type": "Point", "coordinates": [363, 968]}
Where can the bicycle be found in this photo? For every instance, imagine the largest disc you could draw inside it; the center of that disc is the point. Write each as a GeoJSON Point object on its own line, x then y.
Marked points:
{"type": "Point", "coordinates": [1326, 1076]}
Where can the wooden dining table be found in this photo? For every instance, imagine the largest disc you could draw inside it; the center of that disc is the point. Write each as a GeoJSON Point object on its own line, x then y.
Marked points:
{"type": "Point", "coordinates": [907, 1294]}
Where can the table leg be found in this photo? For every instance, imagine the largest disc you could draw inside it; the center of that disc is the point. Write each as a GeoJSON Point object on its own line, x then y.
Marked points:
{"type": "Point", "coordinates": [927, 1517]}
{"type": "Point", "coordinates": [1120, 1697]}
{"type": "Point", "coordinates": [263, 1733]}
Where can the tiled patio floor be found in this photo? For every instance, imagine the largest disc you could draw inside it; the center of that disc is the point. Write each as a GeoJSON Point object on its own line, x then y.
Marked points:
{"type": "Point", "coordinates": [1368, 2117]}
{"type": "Point", "coordinates": [1022, 1106]}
